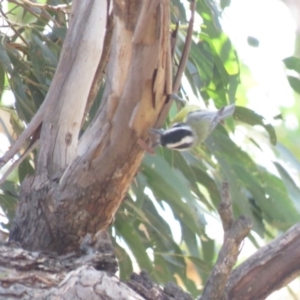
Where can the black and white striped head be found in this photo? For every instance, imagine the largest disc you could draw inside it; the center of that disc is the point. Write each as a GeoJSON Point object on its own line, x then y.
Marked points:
{"type": "Point", "coordinates": [178, 137]}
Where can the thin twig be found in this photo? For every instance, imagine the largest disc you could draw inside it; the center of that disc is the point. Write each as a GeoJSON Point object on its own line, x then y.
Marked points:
{"type": "Point", "coordinates": [181, 67]}
{"type": "Point", "coordinates": [186, 50]}
{"type": "Point", "coordinates": [18, 161]}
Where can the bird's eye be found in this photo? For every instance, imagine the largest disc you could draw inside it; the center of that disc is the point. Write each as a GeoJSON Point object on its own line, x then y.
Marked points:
{"type": "Point", "coordinates": [180, 137]}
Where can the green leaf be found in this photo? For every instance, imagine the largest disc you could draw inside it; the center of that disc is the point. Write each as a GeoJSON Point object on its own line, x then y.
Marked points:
{"type": "Point", "coordinates": [170, 185]}
{"type": "Point", "coordinates": [59, 32]}
{"type": "Point", "coordinates": [6, 131]}
{"type": "Point", "coordinates": [225, 3]}
{"type": "Point", "coordinates": [2, 81]}
{"type": "Point", "coordinates": [124, 262]}
{"type": "Point", "coordinates": [235, 167]}
{"type": "Point", "coordinates": [4, 58]}
{"type": "Point", "coordinates": [282, 212]}
{"type": "Point", "coordinates": [206, 267]}
{"type": "Point", "coordinates": [287, 156]}
{"type": "Point", "coordinates": [25, 169]}
{"type": "Point", "coordinates": [292, 63]}
{"type": "Point", "coordinates": [8, 204]}
{"type": "Point", "coordinates": [291, 187]}
{"type": "Point", "coordinates": [207, 182]}
{"type": "Point", "coordinates": [202, 56]}
{"type": "Point", "coordinates": [294, 83]}
{"type": "Point", "coordinates": [252, 41]}
{"type": "Point", "coordinates": [38, 43]}
{"type": "Point", "coordinates": [37, 60]}
{"type": "Point", "coordinates": [181, 164]}
{"type": "Point", "coordinates": [128, 232]}
{"type": "Point", "coordinates": [248, 116]}
{"type": "Point", "coordinates": [10, 188]}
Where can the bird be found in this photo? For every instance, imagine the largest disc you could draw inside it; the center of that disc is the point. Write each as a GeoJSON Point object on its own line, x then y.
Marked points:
{"type": "Point", "coordinates": [197, 126]}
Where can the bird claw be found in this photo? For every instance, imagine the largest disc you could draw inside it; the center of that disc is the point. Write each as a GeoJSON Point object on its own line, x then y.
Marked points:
{"type": "Point", "coordinates": [146, 147]}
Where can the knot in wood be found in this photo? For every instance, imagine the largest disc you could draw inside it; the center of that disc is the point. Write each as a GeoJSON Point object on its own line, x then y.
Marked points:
{"type": "Point", "coordinates": [68, 138]}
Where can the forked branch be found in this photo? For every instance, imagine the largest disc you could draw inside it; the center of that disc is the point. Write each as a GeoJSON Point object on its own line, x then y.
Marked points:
{"type": "Point", "coordinates": [234, 234]}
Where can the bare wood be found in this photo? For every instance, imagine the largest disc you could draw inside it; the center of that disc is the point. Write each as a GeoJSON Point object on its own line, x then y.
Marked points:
{"type": "Point", "coordinates": [270, 268]}
{"type": "Point", "coordinates": [234, 234]}
{"type": "Point", "coordinates": [225, 207]}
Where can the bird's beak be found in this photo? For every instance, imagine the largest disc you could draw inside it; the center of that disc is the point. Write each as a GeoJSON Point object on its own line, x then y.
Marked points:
{"type": "Point", "coordinates": [156, 131]}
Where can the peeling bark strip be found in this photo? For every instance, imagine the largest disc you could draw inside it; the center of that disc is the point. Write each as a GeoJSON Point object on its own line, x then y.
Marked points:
{"type": "Point", "coordinates": [79, 184]}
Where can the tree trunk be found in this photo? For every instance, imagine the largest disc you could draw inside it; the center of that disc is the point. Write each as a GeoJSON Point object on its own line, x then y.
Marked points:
{"type": "Point", "coordinates": [80, 183]}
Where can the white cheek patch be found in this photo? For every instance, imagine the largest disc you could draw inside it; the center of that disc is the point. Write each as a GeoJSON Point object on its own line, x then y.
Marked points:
{"type": "Point", "coordinates": [187, 140]}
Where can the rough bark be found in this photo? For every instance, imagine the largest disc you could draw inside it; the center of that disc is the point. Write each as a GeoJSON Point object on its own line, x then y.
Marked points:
{"type": "Point", "coordinates": [79, 184]}
{"type": "Point", "coordinates": [269, 269]}
{"type": "Point", "coordinates": [42, 276]}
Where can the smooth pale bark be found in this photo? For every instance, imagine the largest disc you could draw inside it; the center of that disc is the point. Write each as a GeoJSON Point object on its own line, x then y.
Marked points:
{"type": "Point", "coordinates": [71, 85]}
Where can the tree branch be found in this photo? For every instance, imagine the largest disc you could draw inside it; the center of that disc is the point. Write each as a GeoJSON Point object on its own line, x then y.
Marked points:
{"type": "Point", "coordinates": [17, 163]}
{"type": "Point", "coordinates": [270, 268]}
{"type": "Point", "coordinates": [71, 85]}
{"type": "Point", "coordinates": [234, 233]}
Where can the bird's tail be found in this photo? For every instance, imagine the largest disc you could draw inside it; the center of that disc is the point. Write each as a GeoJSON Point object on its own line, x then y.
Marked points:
{"type": "Point", "coordinates": [226, 112]}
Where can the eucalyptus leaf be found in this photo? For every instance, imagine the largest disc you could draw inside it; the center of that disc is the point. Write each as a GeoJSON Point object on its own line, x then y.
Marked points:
{"type": "Point", "coordinates": [250, 117]}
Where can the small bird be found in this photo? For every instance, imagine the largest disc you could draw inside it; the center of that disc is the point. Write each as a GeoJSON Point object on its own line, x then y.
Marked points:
{"type": "Point", "coordinates": [197, 127]}
{"type": "Point", "coordinates": [178, 137]}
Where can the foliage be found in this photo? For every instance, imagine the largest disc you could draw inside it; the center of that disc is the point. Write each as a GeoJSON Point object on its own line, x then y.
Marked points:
{"type": "Point", "coordinates": [161, 224]}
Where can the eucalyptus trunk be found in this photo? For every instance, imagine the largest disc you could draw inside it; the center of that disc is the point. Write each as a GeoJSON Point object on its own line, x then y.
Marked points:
{"type": "Point", "coordinates": [80, 181]}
